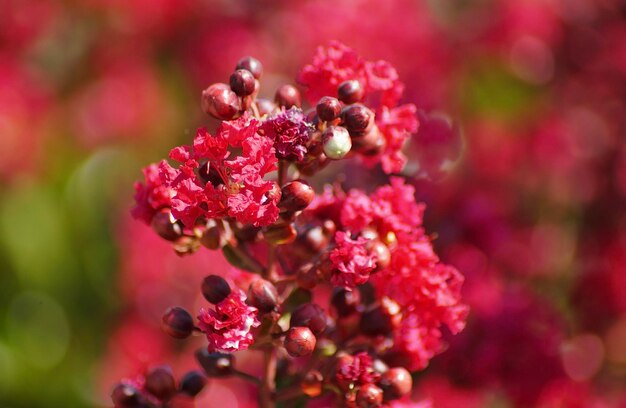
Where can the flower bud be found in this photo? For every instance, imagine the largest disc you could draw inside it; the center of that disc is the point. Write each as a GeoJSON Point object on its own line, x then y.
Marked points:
{"type": "Point", "coordinates": [265, 106]}
{"type": "Point", "coordinates": [350, 91]}
{"type": "Point", "coordinates": [127, 396]}
{"type": "Point", "coordinates": [396, 383]}
{"type": "Point", "coordinates": [309, 315]}
{"type": "Point", "coordinates": [306, 276]}
{"type": "Point", "coordinates": [242, 82]}
{"type": "Point", "coordinates": [370, 143]}
{"type": "Point", "coordinates": [166, 226]}
{"type": "Point", "coordinates": [215, 364]}
{"type": "Point", "coordinates": [345, 301]}
{"type": "Point", "coordinates": [369, 396]}
{"type": "Point", "coordinates": [296, 196]}
{"type": "Point", "coordinates": [288, 96]}
{"type": "Point", "coordinates": [381, 320]}
{"type": "Point", "coordinates": [336, 142]}
{"type": "Point", "coordinates": [192, 383]}
{"type": "Point", "coordinates": [263, 295]}
{"type": "Point", "coordinates": [160, 383]}
{"type": "Point", "coordinates": [219, 101]}
{"type": "Point", "coordinates": [356, 119]}
{"type": "Point", "coordinates": [280, 233]}
{"type": "Point", "coordinates": [299, 341]}
{"type": "Point", "coordinates": [312, 383]}
{"type": "Point", "coordinates": [177, 322]}
{"type": "Point", "coordinates": [215, 289]}
{"type": "Point", "coordinates": [328, 108]}
{"type": "Point", "coordinates": [383, 255]}
{"type": "Point", "coordinates": [215, 236]}
{"type": "Point", "coordinates": [251, 64]}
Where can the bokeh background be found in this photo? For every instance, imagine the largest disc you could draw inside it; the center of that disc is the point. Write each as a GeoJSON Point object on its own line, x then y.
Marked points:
{"type": "Point", "coordinates": [526, 188]}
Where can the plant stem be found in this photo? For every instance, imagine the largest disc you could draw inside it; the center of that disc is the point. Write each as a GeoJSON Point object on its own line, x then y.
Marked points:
{"type": "Point", "coordinates": [268, 387]}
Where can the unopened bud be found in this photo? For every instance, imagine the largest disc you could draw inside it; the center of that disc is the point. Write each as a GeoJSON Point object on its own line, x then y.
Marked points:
{"type": "Point", "coordinates": [242, 82]}
{"type": "Point", "coordinates": [215, 364]}
{"type": "Point", "coordinates": [251, 64]}
{"type": "Point", "coordinates": [299, 341]}
{"type": "Point", "coordinates": [219, 101]}
{"type": "Point", "coordinates": [192, 383]}
{"type": "Point", "coordinates": [127, 396]}
{"type": "Point", "coordinates": [396, 383]}
{"type": "Point", "coordinates": [263, 295]}
{"type": "Point", "coordinates": [336, 142]}
{"type": "Point", "coordinates": [356, 119]}
{"type": "Point", "coordinates": [309, 315]}
{"type": "Point", "coordinates": [345, 301]}
{"type": "Point", "coordinates": [288, 96]}
{"type": "Point", "coordinates": [370, 143]}
{"type": "Point", "coordinates": [166, 226]}
{"type": "Point", "coordinates": [177, 322]}
{"type": "Point", "coordinates": [328, 108]}
{"type": "Point", "coordinates": [215, 289]}
{"type": "Point", "coordinates": [381, 320]}
{"type": "Point", "coordinates": [296, 196]}
{"type": "Point", "coordinates": [160, 383]}
{"type": "Point", "coordinates": [350, 91]}
{"type": "Point", "coordinates": [280, 233]}
{"type": "Point", "coordinates": [369, 396]}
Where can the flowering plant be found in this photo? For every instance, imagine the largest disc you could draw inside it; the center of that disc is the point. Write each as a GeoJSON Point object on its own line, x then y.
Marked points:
{"type": "Point", "coordinates": [340, 289]}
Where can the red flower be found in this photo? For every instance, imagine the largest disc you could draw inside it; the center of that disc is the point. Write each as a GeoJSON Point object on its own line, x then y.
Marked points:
{"type": "Point", "coordinates": [151, 196]}
{"type": "Point", "coordinates": [352, 263]}
{"type": "Point", "coordinates": [355, 370]}
{"type": "Point", "coordinates": [228, 326]}
{"type": "Point", "coordinates": [290, 132]}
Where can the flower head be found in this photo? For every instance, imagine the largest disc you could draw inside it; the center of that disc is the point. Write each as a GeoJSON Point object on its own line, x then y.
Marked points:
{"type": "Point", "coordinates": [352, 263]}
{"type": "Point", "coordinates": [290, 132]}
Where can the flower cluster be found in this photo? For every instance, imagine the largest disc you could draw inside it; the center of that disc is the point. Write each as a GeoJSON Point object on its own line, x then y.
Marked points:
{"type": "Point", "coordinates": [241, 190]}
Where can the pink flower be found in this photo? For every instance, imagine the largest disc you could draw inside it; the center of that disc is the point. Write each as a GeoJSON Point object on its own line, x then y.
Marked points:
{"type": "Point", "coordinates": [355, 370]}
{"type": "Point", "coordinates": [151, 195]}
{"type": "Point", "coordinates": [290, 132]}
{"type": "Point", "coordinates": [228, 326]}
{"type": "Point", "coordinates": [351, 262]}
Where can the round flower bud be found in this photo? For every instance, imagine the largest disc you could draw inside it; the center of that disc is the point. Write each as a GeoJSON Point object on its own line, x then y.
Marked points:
{"type": "Point", "coordinates": [177, 322]}
{"type": "Point", "coordinates": [357, 118]}
{"type": "Point", "coordinates": [252, 65]}
{"type": "Point", "coordinates": [219, 101]}
{"type": "Point", "coordinates": [350, 91]}
{"type": "Point", "coordinates": [296, 196]}
{"type": "Point", "coordinates": [383, 255]}
{"type": "Point", "coordinates": [192, 383]}
{"type": "Point", "coordinates": [369, 396]}
{"type": "Point", "coordinates": [215, 364]}
{"type": "Point", "coordinates": [299, 341]}
{"type": "Point", "coordinates": [328, 108]}
{"type": "Point", "coordinates": [309, 315]}
{"type": "Point", "coordinates": [263, 295]}
{"type": "Point", "coordinates": [345, 301]}
{"type": "Point", "coordinates": [381, 320]}
{"type": "Point", "coordinates": [166, 226]}
{"type": "Point", "coordinates": [242, 82]}
{"type": "Point", "coordinates": [214, 236]}
{"type": "Point", "coordinates": [312, 383]}
{"type": "Point", "coordinates": [127, 396]}
{"type": "Point", "coordinates": [306, 276]}
{"type": "Point", "coordinates": [160, 383]}
{"type": "Point", "coordinates": [215, 289]}
{"type": "Point", "coordinates": [396, 383]}
{"type": "Point", "coordinates": [336, 142]}
{"type": "Point", "coordinates": [288, 96]}
{"type": "Point", "coordinates": [370, 143]}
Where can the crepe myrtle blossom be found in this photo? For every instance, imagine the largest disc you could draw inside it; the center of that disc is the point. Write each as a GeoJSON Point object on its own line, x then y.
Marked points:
{"type": "Point", "coordinates": [348, 284]}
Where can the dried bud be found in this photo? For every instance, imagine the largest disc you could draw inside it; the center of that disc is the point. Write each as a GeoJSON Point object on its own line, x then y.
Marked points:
{"type": "Point", "coordinates": [312, 383]}
{"type": "Point", "coordinates": [251, 64]}
{"type": "Point", "coordinates": [369, 396]}
{"type": "Point", "coordinates": [299, 341]}
{"type": "Point", "coordinates": [350, 91]}
{"type": "Point", "coordinates": [357, 119]}
{"type": "Point", "coordinates": [216, 364]}
{"type": "Point", "coordinates": [215, 236]}
{"type": "Point", "coordinates": [263, 295]}
{"type": "Point", "coordinates": [177, 322]}
{"type": "Point", "coordinates": [396, 383]}
{"type": "Point", "coordinates": [296, 196]}
{"type": "Point", "coordinates": [215, 289]}
{"type": "Point", "coordinates": [280, 233]}
{"type": "Point", "coordinates": [219, 101]}
{"type": "Point", "coordinates": [288, 96]}
{"type": "Point", "coordinates": [164, 224]}
{"type": "Point", "coordinates": [192, 383]}
{"type": "Point", "coordinates": [160, 383]}
{"type": "Point", "coordinates": [381, 320]}
{"type": "Point", "coordinates": [127, 396]}
{"type": "Point", "coordinates": [328, 108]}
{"type": "Point", "coordinates": [336, 142]}
{"type": "Point", "coordinates": [242, 82]}
{"type": "Point", "coordinates": [346, 301]}
{"type": "Point", "coordinates": [309, 315]}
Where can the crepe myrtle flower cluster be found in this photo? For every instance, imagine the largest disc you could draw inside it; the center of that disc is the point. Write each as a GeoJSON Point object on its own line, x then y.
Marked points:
{"type": "Point", "coordinates": [340, 290]}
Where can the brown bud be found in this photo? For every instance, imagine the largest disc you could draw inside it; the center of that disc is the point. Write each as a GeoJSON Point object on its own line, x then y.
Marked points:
{"type": "Point", "coordinates": [177, 322]}
{"type": "Point", "coordinates": [263, 295]}
{"type": "Point", "coordinates": [369, 396]}
{"type": "Point", "coordinates": [299, 341]}
{"type": "Point", "coordinates": [383, 255]}
{"type": "Point", "coordinates": [160, 383]}
{"type": "Point", "coordinates": [242, 82]}
{"type": "Point", "coordinates": [280, 233]}
{"type": "Point", "coordinates": [164, 224]}
{"type": "Point", "coordinates": [350, 91]}
{"type": "Point", "coordinates": [296, 196]}
{"type": "Point", "coordinates": [192, 383]}
{"type": "Point", "coordinates": [357, 119]}
{"type": "Point", "coordinates": [288, 96]}
{"type": "Point", "coordinates": [309, 315]}
{"type": "Point", "coordinates": [219, 101]}
{"type": "Point", "coordinates": [265, 106]}
{"type": "Point", "coordinates": [215, 364]}
{"type": "Point", "coordinates": [381, 320]}
{"type": "Point", "coordinates": [396, 383]}
{"type": "Point", "coordinates": [251, 64]}
{"type": "Point", "coordinates": [370, 143]}
{"type": "Point", "coordinates": [328, 108]}
{"type": "Point", "coordinates": [215, 289]}
{"type": "Point", "coordinates": [127, 396]}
